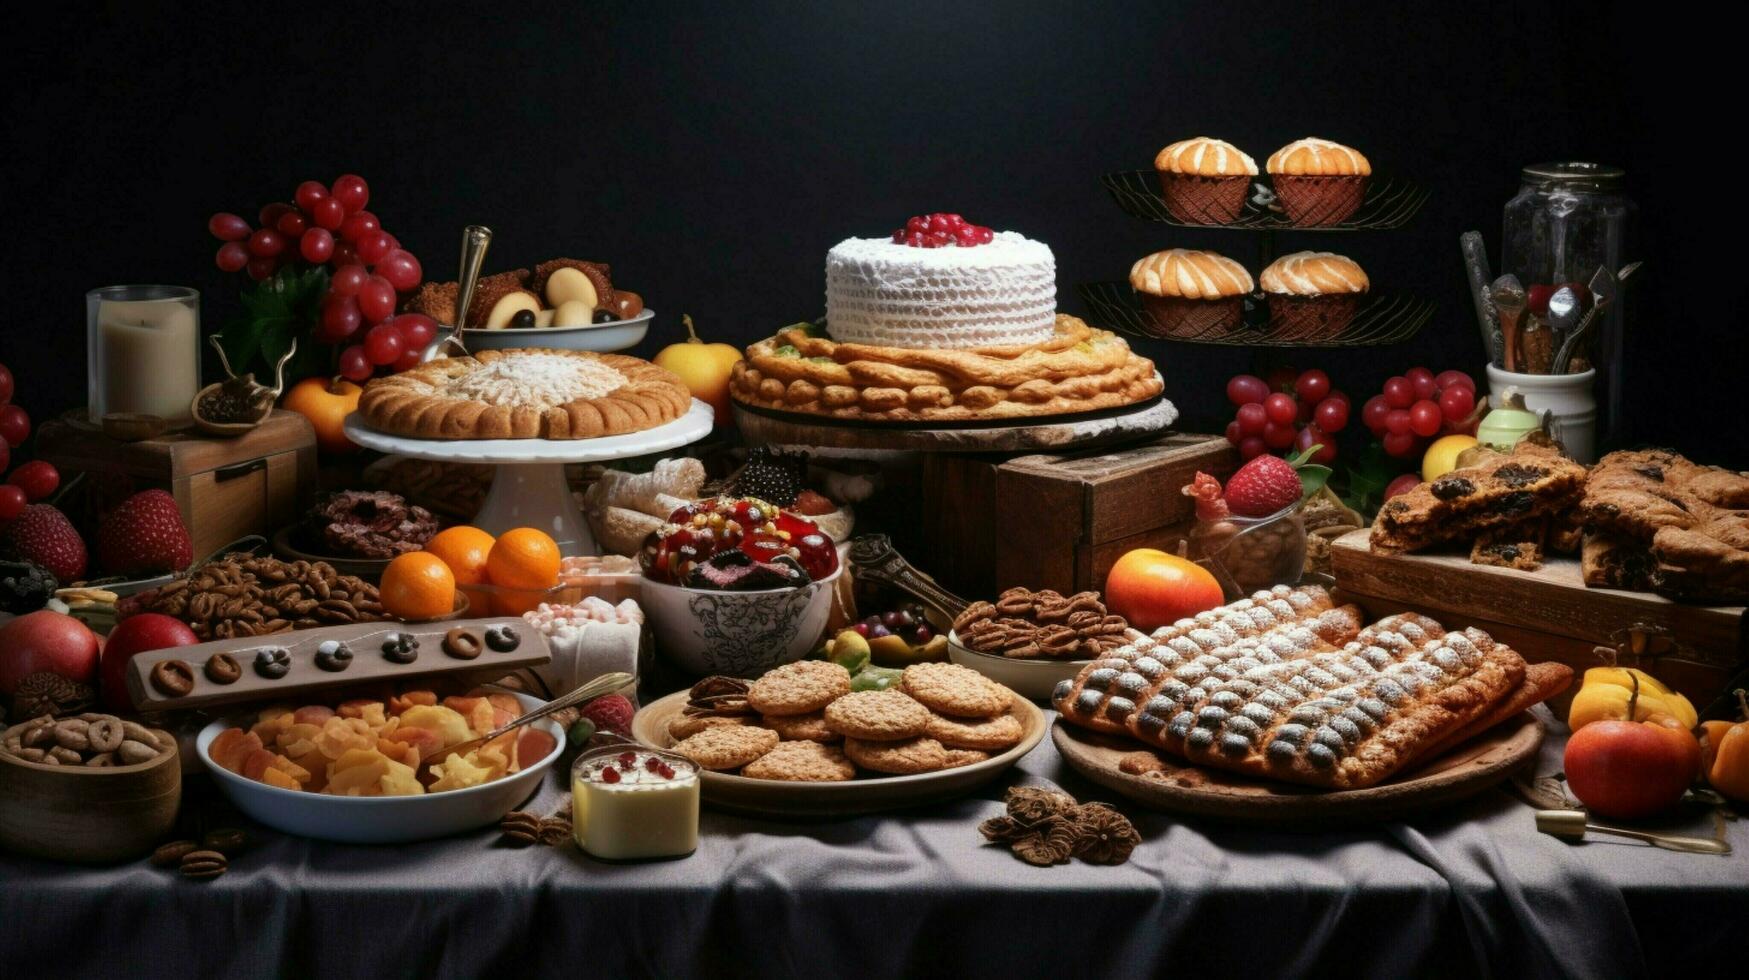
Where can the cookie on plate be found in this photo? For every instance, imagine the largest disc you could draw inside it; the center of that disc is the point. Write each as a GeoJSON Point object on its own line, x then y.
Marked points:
{"type": "Point", "coordinates": [727, 748]}
{"type": "Point", "coordinates": [996, 734]}
{"type": "Point", "coordinates": [685, 726]}
{"type": "Point", "coordinates": [798, 688]}
{"type": "Point", "coordinates": [903, 758]}
{"type": "Point", "coordinates": [954, 758]}
{"type": "Point", "coordinates": [877, 716]}
{"type": "Point", "coordinates": [954, 690]}
{"type": "Point", "coordinates": [802, 761]}
{"type": "Point", "coordinates": [810, 727]}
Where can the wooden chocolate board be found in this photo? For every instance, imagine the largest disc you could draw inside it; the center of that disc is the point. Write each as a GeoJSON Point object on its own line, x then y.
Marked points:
{"type": "Point", "coordinates": [369, 665]}
{"type": "Point", "coordinates": [864, 794]}
{"type": "Point", "coordinates": [762, 426]}
{"type": "Point", "coordinates": [1547, 614]}
{"type": "Point", "coordinates": [1467, 770]}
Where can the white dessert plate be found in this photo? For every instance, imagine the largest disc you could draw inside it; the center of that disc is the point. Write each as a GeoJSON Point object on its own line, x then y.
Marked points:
{"type": "Point", "coordinates": [864, 794]}
{"type": "Point", "coordinates": [602, 338]}
{"type": "Point", "coordinates": [381, 819]}
{"type": "Point", "coordinates": [1033, 677]}
{"type": "Point", "coordinates": [691, 427]}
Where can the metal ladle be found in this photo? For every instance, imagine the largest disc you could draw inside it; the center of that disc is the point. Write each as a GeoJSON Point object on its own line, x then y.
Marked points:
{"type": "Point", "coordinates": [1571, 825]}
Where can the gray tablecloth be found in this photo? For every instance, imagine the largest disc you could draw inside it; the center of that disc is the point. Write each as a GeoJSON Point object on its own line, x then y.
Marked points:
{"type": "Point", "coordinates": [1469, 891]}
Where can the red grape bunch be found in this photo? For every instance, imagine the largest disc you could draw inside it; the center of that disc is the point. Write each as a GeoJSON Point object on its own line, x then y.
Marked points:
{"type": "Point", "coordinates": [1287, 412]}
{"type": "Point", "coordinates": [1417, 407]}
{"type": "Point", "coordinates": [328, 226]}
{"type": "Point", "coordinates": [32, 481]}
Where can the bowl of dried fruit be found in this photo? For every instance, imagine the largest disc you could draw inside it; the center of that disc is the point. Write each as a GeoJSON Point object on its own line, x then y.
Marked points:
{"type": "Point", "coordinates": [349, 772]}
{"type": "Point", "coordinates": [89, 788]}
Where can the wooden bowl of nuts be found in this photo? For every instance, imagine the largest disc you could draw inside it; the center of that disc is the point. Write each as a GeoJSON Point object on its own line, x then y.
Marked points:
{"type": "Point", "coordinates": [89, 788]}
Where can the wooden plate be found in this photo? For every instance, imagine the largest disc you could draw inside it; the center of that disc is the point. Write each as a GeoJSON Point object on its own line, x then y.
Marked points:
{"type": "Point", "coordinates": [864, 794]}
{"type": "Point", "coordinates": [286, 545]}
{"type": "Point", "coordinates": [1470, 768]}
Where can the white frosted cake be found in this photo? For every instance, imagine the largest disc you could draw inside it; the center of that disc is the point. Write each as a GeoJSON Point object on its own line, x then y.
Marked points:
{"type": "Point", "coordinates": [1001, 293]}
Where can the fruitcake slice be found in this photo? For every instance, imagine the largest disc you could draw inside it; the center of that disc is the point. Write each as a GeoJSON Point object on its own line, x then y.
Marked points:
{"type": "Point", "coordinates": [1107, 690]}
{"type": "Point", "coordinates": [1532, 482]}
{"type": "Point", "coordinates": [1517, 546]}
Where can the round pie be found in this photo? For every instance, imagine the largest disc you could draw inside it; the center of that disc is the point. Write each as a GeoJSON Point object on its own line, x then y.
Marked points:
{"type": "Point", "coordinates": [532, 393]}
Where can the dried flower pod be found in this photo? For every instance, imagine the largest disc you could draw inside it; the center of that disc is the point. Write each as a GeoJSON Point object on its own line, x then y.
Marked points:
{"type": "Point", "coordinates": [1033, 804]}
{"type": "Point", "coordinates": [1105, 835]}
{"type": "Point", "coordinates": [1052, 846]}
{"type": "Point", "coordinates": [1003, 830]}
{"type": "Point", "coordinates": [43, 693]}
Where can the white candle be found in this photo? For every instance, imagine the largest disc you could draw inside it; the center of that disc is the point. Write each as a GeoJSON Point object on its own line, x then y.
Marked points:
{"type": "Point", "coordinates": [145, 351]}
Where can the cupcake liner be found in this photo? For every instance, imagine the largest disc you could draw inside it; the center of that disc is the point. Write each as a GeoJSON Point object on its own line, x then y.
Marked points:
{"type": "Point", "coordinates": [1199, 200]}
{"type": "Point", "coordinates": [1311, 317]}
{"type": "Point", "coordinates": [1314, 201]}
{"type": "Point", "coordinates": [1175, 316]}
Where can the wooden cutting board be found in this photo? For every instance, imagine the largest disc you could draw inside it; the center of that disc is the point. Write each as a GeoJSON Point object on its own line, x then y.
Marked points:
{"type": "Point", "coordinates": [1547, 614]}
{"type": "Point", "coordinates": [1465, 771]}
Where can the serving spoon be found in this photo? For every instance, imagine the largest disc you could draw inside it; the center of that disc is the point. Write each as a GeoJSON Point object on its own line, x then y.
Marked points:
{"type": "Point", "coordinates": [1571, 825]}
{"type": "Point", "coordinates": [594, 689]}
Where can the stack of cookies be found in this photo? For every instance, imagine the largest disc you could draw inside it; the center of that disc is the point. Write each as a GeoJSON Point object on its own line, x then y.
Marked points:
{"type": "Point", "coordinates": [802, 722]}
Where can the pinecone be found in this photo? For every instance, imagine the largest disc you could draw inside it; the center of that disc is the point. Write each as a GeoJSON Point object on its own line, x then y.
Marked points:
{"type": "Point", "coordinates": [43, 693]}
{"type": "Point", "coordinates": [772, 475]}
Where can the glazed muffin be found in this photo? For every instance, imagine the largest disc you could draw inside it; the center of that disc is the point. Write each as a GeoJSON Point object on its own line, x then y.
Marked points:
{"type": "Point", "coordinates": [1204, 180]}
{"type": "Point", "coordinates": [1190, 294]}
{"type": "Point", "coordinates": [1318, 182]}
{"type": "Point", "coordinates": [1312, 295]}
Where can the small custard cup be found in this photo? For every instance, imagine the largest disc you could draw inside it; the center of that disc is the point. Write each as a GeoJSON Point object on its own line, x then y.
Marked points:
{"type": "Point", "coordinates": [632, 803]}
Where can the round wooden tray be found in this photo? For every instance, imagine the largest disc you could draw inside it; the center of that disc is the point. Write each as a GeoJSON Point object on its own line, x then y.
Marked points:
{"type": "Point", "coordinates": [759, 426]}
{"type": "Point", "coordinates": [1470, 768]}
{"type": "Point", "coordinates": [864, 794]}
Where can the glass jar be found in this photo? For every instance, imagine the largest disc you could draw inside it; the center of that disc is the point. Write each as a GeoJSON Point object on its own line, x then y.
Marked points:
{"type": "Point", "coordinates": [142, 351]}
{"type": "Point", "coordinates": [1567, 220]}
{"type": "Point", "coordinates": [630, 803]}
{"type": "Point", "coordinates": [1249, 554]}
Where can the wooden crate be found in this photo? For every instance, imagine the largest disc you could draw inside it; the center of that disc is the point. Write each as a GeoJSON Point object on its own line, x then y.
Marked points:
{"type": "Point", "coordinates": [1059, 521]}
{"type": "Point", "coordinates": [1547, 614]}
{"type": "Point", "coordinates": [255, 483]}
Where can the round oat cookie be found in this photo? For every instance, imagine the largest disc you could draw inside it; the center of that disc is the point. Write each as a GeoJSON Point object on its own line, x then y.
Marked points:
{"type": "Point", "coordinates": [913, 755]}
{"type": "Point", "coordinates": [987, 734]}
{"type": "Point", "coordinates": [810, 727]}
{"type": "Point", "coordinates": [802, 761]}
{"type": "Point", "coordinates": [955, 690]}
{"type": "Point", "coordinates": [877, 716]}
{"type": "Point", "coordinates": [964, 757]}
{"type": "Point", "coordinates": [684, 726]}
{"type": "Point", "coordinates": [798, 688]}
{"type": "Point", "coordinates": [727, 748]}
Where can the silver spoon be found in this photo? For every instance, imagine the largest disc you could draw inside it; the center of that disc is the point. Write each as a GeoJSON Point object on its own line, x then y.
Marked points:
{"type": "Point", "coordinates": [1571, 825]}
{"type": "Point", "coordinates": [601, 685]}
{"type": "Point", "coordinates": [1508, 296]}
{"type": "Point", "coordinates": [475, 240]}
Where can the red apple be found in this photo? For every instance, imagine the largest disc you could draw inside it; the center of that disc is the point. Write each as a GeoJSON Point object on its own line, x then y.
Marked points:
{"type": "Point", "coordinates": [1631, 769]}
{"type": "Point", "coordinates": [49, 641]}
{"type": "Point", "coordinates": [137, 634]}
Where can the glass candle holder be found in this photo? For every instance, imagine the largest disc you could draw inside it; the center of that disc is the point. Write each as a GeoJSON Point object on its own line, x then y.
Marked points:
{"type": "Point", "coordinates": [630, 803]}
{"type": "Point", "coordinates": [1249, 554]}
{"type": "Point", "coordinates": [143, 351]}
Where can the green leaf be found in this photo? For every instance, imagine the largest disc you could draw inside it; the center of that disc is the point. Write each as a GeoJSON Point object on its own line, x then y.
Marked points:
{"type": "Point", "coordinates": [1367, 478]}
{"type": "Point", "coordinates": [1298, 459]}
{"type": "Point", "coordinates": [279, 308]}
{"type": "Point", "coordinates": [1313, 476]}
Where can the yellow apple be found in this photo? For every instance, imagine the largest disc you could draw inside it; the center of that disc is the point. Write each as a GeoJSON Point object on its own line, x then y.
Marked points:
{"type": "Point", "coordinates": [703, 368]}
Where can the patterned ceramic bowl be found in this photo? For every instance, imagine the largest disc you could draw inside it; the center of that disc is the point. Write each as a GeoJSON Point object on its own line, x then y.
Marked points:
{"type": "Point", "coordinates": [741, 634]}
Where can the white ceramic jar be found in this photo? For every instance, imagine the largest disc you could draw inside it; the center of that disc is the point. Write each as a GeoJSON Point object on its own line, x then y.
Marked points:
{"type": "Point", "coordinates": [1569, 398]}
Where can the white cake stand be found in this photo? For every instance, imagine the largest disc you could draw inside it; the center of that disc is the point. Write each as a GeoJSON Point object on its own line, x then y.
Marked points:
{"type": "Point", "coordinates": [529, 489]}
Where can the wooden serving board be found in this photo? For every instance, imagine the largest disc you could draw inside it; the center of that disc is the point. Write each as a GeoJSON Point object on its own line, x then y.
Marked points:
{"type": "Point", "coordinates": [1182, 788]}
{"type": "Point", "coordinates": [865, 794]}
{"type": "Point", "coordinates": [762, 426]}
{"type": "Point", "coordinates": [1548, 614]}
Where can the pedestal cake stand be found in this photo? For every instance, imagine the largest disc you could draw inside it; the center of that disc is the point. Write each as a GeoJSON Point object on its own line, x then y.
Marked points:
{"type": "Point", "coordinates": [529, 489]}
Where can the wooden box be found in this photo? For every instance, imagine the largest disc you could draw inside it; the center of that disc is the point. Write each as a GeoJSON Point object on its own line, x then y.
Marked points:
{"type": "Point", "coordinates": [1061, 520]}
{"type": "Point", "coordinates": [255, 483]}
{"type": "Point", "coordinates": [1547, 614]}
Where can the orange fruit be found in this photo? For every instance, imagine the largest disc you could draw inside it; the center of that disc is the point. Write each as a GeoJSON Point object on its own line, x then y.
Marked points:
{"type": "Point", "coordinates": [1151, 589]}
{"type": "Point", "coordinates": [418, 585]}
{"type": "Point", "coordinates": [464, 549]}
{"type": "Point", "coordinates": [524, 559]}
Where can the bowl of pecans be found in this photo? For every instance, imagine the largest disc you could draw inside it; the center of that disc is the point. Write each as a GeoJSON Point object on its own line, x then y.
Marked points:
{"type": "Point", "coordinates": [89, 788]}
{"type": "Point", "coordinates": [1029, 640]}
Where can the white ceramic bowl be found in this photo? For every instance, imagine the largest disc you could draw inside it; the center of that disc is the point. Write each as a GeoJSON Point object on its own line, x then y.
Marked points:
{"type": "Point", "coordinates": [741, 634]}
{"type": "Point", "coordinates": [1030, 678]}
{"type": "Point", "coordinates": [602, 338]}
{"type": "Point", "coordinates": [381, 819]}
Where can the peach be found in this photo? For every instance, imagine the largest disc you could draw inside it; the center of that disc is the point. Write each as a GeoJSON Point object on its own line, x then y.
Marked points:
{"type": "Point", "coordinates": [232, 747]}
{"type": "Point", "coordinates": [258, 762]}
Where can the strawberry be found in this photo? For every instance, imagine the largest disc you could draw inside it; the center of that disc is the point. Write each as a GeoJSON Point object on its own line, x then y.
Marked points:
{"type": "Point", "coordinates": [1263, 486]}
{"type": "Point", "coordinates": [42, 535]}
{"type": "Point", "coordinates": [610, 713]}
{"type": "Point", "coordinates": [144, 535]}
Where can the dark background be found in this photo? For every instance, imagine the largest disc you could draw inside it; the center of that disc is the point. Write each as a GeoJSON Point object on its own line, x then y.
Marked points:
{"type": "Point", "coordinates": [713, 152]}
